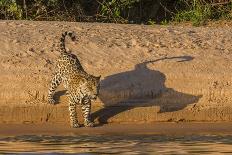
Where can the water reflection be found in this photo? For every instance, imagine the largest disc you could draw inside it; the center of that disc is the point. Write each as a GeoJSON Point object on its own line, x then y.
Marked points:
{"type": "Point", "coordinates": [109, 144]}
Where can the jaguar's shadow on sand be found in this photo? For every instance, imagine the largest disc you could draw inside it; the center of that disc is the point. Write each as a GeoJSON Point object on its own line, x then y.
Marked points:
{"type": "Point", "coordinates": [58, 94]}
{"type": "Point", "coordinates": [140, 87]}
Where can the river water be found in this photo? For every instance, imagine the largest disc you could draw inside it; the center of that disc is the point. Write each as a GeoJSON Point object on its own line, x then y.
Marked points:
{"type": "Point", "coordinates": [117, 144]}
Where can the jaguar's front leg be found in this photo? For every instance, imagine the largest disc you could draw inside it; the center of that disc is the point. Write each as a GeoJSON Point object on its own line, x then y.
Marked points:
{"type": "Point", "coordinates": [86, 109]}
{"type": "Point", "coordinates": [73, 114]}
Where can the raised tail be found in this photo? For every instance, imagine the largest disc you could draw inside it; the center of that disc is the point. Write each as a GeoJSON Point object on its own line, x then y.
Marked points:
{"type": "Point", "coordinates": [71, 34]}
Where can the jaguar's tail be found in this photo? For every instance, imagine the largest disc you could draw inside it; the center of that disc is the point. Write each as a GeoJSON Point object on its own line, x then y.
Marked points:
{"type": "Point", "coordinates": [71, 34]}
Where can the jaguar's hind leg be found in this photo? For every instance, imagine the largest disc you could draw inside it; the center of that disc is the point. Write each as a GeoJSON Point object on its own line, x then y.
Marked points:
{"type": "Point", "coordinates": [86, 109]}
{"type": "Point", "coordinates": [55, 82]}
{"type": "Point", "coordinates": [73, 113]}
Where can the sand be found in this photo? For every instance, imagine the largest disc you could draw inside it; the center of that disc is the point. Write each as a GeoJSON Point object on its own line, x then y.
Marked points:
{"type": "Point", "coordinates": [119, 129]}
{"type": "Point", "coordinates": [149, 73]}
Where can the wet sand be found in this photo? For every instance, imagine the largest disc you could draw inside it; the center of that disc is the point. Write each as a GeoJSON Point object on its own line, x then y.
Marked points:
{"type": "Point", "coordinates": [119, 129]}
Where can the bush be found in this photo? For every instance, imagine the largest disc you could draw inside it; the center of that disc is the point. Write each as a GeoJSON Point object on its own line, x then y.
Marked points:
{"type": "Point", "coordinates": [10, 10]}
{"type": "Point", "coordinates": [200, 11]}
{"type": "Point", "coordinates": [118, 11]}
{"type": "Point", "coordinates": [40, 9]}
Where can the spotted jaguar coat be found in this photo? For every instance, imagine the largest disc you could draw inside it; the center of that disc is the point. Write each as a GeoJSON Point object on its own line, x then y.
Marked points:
{"type": "Point", "coordinates": [81, 87]}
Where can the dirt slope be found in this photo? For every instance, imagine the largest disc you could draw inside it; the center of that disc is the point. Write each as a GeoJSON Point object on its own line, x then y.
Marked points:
{"type": "Point", "coordinates": [149, 73]}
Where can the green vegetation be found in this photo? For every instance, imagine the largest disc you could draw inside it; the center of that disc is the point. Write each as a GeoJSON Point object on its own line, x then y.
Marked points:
{"type": "Point", "coordinates": [9, 10]}
{"type": "Point", "coordinates": [200, 11]}
{"type": "Point", "coordinates": [114, 10]}
{"type": "Point", "coordinates": [118, 11]}
{"type": "Point", "coordinates": [40, 10]}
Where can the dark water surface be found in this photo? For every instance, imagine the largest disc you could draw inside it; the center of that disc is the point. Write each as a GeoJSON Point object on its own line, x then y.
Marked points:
{"type": "Point", "coordinates": [117, 144]}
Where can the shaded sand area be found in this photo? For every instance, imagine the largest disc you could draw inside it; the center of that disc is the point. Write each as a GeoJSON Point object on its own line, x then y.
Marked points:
{"type": "Point", "coordinates": [149, 73]}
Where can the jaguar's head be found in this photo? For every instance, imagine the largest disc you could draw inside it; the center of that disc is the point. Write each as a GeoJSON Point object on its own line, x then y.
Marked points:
{"type": "Point", "coordinates": [93, 87]}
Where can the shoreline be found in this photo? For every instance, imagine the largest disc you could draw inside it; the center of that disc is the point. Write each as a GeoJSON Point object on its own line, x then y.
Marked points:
{"type": "Point", "coordinates": [187, 128]}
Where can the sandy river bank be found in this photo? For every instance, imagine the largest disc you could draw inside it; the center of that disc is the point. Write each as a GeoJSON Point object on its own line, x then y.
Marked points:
{"type": "Point", "coordinates": [149, 73]}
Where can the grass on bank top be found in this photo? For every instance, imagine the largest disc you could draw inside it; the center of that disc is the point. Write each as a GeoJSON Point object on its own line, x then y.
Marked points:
{"type": "Point", "coordinates": [118, 11]}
